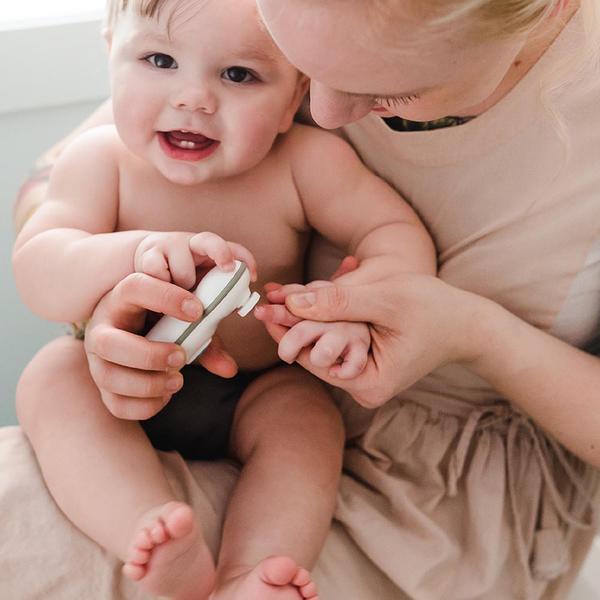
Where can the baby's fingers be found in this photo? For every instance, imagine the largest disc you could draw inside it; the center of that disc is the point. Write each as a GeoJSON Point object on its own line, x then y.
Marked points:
{"type": "Point", "coordinates": [300, 335]}
{"type": "Point", "coordinates": [222, 253]}
{"type": "Point", "coordinates": [353, 363]}
{"type": "Point", "coordinates": [209, 245]}
{"type": "Point", "coordinates": [242, 253]}
{"type": "Point", "coordinates": [277, 314]}
{"type": "Point", "coordinates": [277, 295]}
{"type": "Point", "coordinates": [182, 266]}
{"type": "Point", "coordinates": [328, 349]}
{"type": "Point", "coordinates": [154, 263]}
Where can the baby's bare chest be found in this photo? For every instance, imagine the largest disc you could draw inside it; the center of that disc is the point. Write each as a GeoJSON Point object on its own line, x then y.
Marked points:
{"type": "Point", "coordinates": [254, 212]}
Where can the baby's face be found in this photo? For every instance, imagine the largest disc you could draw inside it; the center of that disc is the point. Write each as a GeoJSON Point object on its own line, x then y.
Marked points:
{"type": "Point", "coordinates": [200, 91]}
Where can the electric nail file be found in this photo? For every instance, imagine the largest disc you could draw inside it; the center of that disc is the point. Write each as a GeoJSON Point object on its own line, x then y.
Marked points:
{"type": "Point", "coordinates": [221, 292]}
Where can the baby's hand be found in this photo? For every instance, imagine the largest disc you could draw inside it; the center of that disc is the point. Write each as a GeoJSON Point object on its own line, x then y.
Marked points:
{"type": "Point", "coordinates": [174, 256]}
{"type": "Point", "coordinates": [342, 347]}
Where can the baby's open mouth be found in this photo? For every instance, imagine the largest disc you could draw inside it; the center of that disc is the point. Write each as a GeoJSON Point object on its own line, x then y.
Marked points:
{"type": "Point", "coordinates": [186, 145]}
{"type": "Point", "coordinates": [188, 140]}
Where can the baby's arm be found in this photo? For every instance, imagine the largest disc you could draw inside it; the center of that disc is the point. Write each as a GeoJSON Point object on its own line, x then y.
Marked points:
{"type": "Point", "coordinates": [67, 256]}
{"type": "Point", "coordinates": [362, 214]}
{"type": "Point", "coordinates": [358, 211]}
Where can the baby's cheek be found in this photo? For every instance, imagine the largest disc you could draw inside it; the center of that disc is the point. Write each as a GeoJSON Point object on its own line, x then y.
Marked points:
{"type": "Point", "coordinates": [255, 140]}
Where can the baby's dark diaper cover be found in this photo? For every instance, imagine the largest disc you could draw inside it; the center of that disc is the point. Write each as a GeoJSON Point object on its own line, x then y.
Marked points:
{"type": "Point", "coordinates": [197, 420]}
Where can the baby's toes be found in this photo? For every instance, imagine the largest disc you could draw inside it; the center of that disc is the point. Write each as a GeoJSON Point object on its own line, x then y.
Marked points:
{"type": "Point", "coordinates": [158, 533]}
{"type": "Point", "coordinates": [133, 571]}
{"type": "Point", "coordinates": [139, 556]}
{"type": "Point", "coordinates": [309, 591]}
{"type": "Point", "coordinates": [307, 587]}
{"type": "Point", "coordinates": [143, 540]}
{"type": "Point", "coordinates": [302, 577]}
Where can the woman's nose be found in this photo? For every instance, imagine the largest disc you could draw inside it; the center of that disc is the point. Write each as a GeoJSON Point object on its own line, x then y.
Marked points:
{"type": "Point", "coordinates": [331, 109]}
{"type": "Point", "coordinates": [194, 97]}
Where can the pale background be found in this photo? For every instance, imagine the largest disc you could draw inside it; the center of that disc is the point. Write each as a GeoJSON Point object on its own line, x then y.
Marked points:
{"type": "Point", "coordinates": [57, 76]}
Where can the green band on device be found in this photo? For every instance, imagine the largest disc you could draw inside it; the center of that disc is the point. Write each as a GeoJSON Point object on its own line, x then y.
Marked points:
{"type": "Point", "coordinates": [188, 331]}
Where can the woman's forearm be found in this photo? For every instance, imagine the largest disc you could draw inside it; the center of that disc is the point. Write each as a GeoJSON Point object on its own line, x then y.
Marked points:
{"type": "Point", "coordinates": [47, 266]}
{"type": "Point", "coordinates": [557, 385]}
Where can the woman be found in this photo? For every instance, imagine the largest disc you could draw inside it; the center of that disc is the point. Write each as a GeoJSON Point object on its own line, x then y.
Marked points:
{"type": "Point", "coordinates": [455, 487]}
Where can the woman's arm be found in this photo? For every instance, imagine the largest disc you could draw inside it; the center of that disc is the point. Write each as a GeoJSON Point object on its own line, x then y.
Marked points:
{"type": "Point", "coordinates": [419, 323]}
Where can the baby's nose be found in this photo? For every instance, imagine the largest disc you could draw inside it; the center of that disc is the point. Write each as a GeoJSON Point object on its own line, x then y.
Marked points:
{"type": "Point", "coordinates": [195, 98]}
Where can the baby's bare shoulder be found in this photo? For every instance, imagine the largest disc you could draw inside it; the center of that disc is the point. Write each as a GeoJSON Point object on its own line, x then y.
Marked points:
{"type": "Point", "coordinates": [301, 138]}
{"type": "Point", "coordinates": [98, 147]}
{"type": "Point", "coordinates": [321, 159]}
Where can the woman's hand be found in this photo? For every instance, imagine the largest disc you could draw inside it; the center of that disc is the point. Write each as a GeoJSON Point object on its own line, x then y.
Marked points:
{"type": "Point", "coordinates": [417, 323]}
{"type": "Point", "coordinates": [137, 377]}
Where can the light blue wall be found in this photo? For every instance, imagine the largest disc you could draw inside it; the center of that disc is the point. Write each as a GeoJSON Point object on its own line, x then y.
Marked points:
{"type": "Point", "coordinates": [25, 135]}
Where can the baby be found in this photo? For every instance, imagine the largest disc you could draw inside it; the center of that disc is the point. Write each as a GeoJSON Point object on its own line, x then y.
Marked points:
{"type": "Point", "coordinates": [203, 166]}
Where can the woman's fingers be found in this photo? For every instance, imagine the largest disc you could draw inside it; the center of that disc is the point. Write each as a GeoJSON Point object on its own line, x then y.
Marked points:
{"type": "Point", "coordinates": [132, 350]}
{"type": "Point", "coordinates": [217, 360]}
{"type": "Point", "coordinates": [133, 409]}
{"type": "Point", "coordinates": [138, 293]}
{"type": "Point", "coordinates": [133, 383]}
{"type": "Point", "coordinates": [348, 264]}
{"type": "Point", "coordinates": [339, 303]}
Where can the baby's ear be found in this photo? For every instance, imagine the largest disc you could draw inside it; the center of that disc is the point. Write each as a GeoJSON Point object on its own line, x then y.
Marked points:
{"type": "Point", "coordinates": [299, 94]}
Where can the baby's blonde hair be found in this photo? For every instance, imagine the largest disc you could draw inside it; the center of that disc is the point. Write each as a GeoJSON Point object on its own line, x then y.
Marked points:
{"type": "Point", "coordinates": [145, 8]}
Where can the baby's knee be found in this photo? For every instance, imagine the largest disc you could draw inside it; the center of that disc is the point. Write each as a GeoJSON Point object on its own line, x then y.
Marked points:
{"type": "Point", "coordinates": [288, 404]}
{"type": "Point", "coordinates": [53, 363]}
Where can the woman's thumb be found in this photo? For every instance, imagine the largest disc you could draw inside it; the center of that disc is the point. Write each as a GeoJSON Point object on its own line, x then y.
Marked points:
{"type": "Point", "coordinates": [330, 303]}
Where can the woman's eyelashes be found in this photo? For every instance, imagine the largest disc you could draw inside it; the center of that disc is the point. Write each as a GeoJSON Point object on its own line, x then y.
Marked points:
{"type": "Point", "coordinates": [392, 101]}
{"type": "Point", "coordinates": [161, 61]}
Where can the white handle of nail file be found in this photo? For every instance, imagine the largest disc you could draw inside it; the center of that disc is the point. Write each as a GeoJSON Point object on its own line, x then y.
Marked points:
{"type": "Point", "coordinates": [221, 292]}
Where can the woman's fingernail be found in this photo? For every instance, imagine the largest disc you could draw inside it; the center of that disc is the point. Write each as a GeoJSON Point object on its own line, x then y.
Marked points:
{"type": "Point", "coordinates": [177, 359]}
{"type": "Point", "coordinates": [192, 308]}
{"type": "Point", "coordinates": [174, 383]}
{"type": "Point", "coordinates": [302, 300]}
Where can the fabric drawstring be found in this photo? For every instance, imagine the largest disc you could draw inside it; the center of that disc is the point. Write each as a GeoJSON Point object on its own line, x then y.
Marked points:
{"type": "Point", "coordinates": [559, 514]}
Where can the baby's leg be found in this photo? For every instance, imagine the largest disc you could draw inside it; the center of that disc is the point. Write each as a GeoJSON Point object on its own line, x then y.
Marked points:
{"type": "Point", "coordinates": [290, 437]}
{"type": "Point", "coordinates": [106, 477]}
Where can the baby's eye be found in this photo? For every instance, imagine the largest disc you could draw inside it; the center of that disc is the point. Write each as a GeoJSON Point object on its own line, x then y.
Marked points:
{"type": "Point", "coordinates": [161, 61]}
{"type": "Point", "coordinates": [238, 75]}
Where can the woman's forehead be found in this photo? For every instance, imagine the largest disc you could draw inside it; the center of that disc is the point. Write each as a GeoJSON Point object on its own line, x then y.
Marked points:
{"type": "Point", "coordinates": [348, 52]}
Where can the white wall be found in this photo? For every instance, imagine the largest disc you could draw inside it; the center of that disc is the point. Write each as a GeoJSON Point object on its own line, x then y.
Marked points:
{"type": "Point", "coordinates": [57, 78]}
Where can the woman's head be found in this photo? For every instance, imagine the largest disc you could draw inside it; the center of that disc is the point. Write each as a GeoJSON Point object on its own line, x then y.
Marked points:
{"type": "Point", "coordinates": [419, 59]}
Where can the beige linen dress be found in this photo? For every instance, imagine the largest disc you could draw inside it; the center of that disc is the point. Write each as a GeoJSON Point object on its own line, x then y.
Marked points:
{"type": "Point", "coordinates": [448, 494]}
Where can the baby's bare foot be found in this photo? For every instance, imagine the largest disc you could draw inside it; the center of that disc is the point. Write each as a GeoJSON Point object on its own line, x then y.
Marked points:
{"type": "Point", "coordinates": [275, 578]}
{"type": "Point", "coordinates": [168, 556]}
